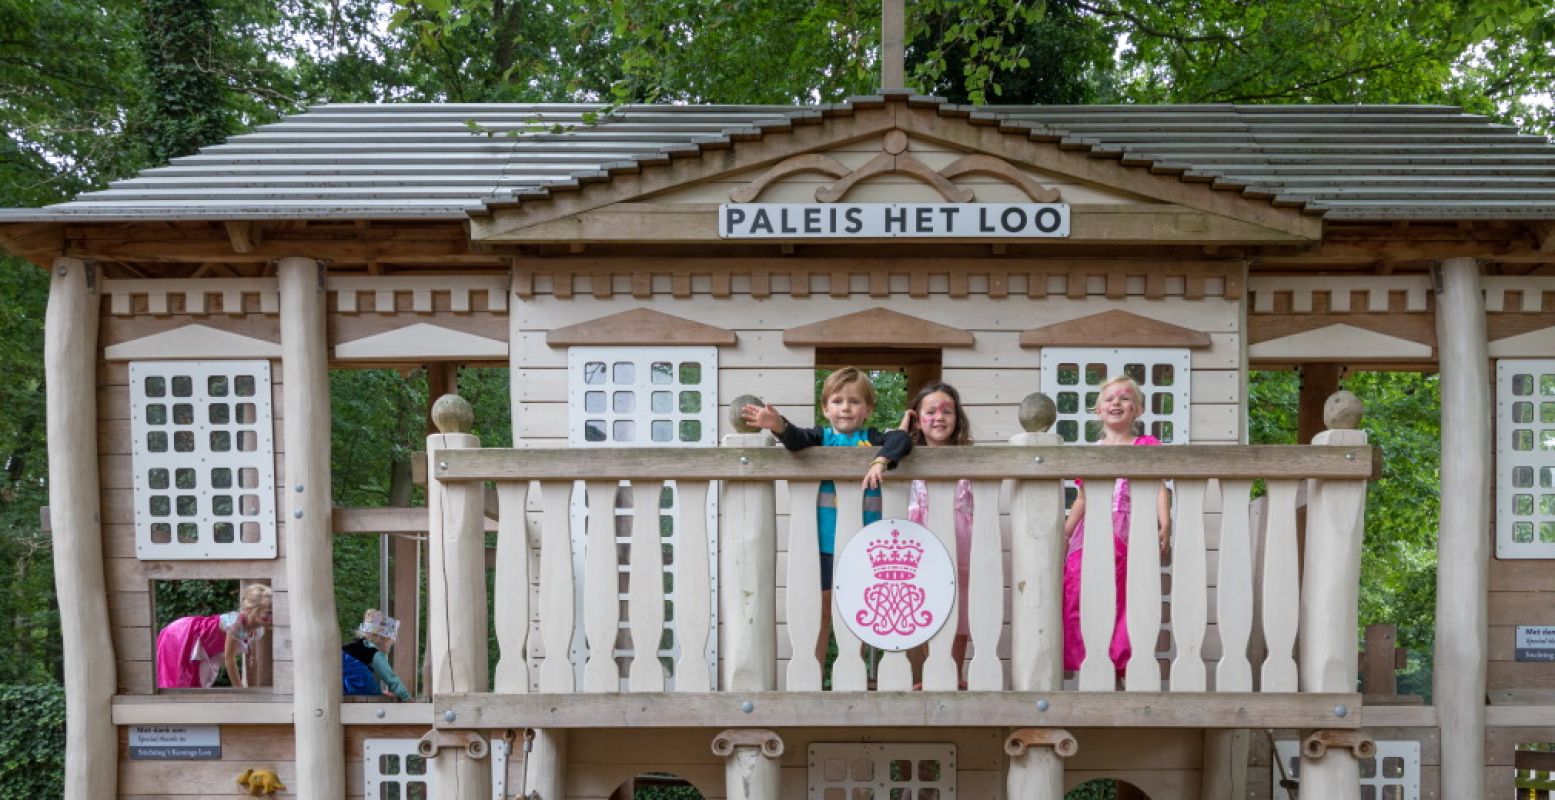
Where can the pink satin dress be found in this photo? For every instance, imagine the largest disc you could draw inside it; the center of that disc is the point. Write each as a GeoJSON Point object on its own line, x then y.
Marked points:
{"type": "Point", "coordinates": [1074, 646]}
{"type": "Point", "coordinates": [918, 511]}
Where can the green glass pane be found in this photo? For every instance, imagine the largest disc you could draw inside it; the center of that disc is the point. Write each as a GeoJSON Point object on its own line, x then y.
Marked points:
{"type": "Point", "coordinates": [1522, 385]}
{"type": "Point", "coordinates": [1522, 504]}
{"type": "Point", "coordinates": [156, 414]}
{"type": "Point", "coordinates": [661, 372]}
{"type": "Point", "coordinates": [1068, 403]}
{"type": "Point", "coordinates": [1068, 374]}
{"type": "Point", "coordinates": [1069, 430]}
{"type": "Point", "coordinates": [690, 402]}
{"type": "Point", "coordinates": [690, 373]}
{"type": "Point", "coordinates": [1522, 439]}
{"type": "Point", "coordinates": [156, 386]}
{"type": "Point", "coordinates": [1522, 532]}
{"type": "Point", "coordinates": [1522, 412]}
{"type": "Point", "coordinates": [690, 430]}
{"type": "Point", "coordinates": [157, 478]}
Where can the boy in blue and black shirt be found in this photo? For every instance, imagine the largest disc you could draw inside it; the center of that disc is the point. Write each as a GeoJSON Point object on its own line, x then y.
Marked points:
{"type": "Point", "coordinates": [847, 400]}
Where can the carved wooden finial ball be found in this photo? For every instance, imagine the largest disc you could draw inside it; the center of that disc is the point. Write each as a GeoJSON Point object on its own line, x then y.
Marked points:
{"type": "Point", "coordinates": [453, 414]}
{"type": "Point", "coordinates": [895, 143]}
{"type": "Point", "coordinates": [1342, 411]}
{"type": "Point", "coordinates": [736, 421]}
{"type": "Point", "coordinates": [1037, 413]}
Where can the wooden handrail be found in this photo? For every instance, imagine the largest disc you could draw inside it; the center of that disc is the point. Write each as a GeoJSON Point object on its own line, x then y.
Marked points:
{"type": "Point", "coordinates": [989, 462]}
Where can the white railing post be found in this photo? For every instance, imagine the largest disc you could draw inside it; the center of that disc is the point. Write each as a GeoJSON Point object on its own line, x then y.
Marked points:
{"type": "Point", "coordinates": [747, 572]}
{"type": "Point", "coordinates": [1036, 563]}
{"type": "Point", "coordinates": [456, 592]}
{"type": "Point", "coordinates": [1329, 594]}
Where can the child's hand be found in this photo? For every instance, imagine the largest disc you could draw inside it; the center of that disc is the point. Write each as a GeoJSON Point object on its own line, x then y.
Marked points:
{"type": "Point", "coordinates": [876, 472]}
{"type": "Point", "coordinates": [764, 416]}
{"type": "Point", "coordinates": [1165, 535]}
{"type": "Point", "coordinates": [907, 418]}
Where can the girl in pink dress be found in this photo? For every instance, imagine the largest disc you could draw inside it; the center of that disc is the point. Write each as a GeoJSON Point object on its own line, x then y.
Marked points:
{"type": "Point", "coordinates": [935, 419]}
{"type": "Point", "coordinates": [192, 650]}
{"type": "Point", "coordinates": [1119, 404]}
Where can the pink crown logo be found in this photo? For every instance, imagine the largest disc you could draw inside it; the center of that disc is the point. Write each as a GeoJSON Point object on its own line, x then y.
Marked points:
{"type": "Point", "coordinates": [893, 559]}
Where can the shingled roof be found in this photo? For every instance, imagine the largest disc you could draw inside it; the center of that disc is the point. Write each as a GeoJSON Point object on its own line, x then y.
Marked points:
{"type": "Point", "coordinates": [430, 161]}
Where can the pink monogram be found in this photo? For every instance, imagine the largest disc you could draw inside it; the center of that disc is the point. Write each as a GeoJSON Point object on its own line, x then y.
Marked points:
{"type": "Point", "coordinates": [895, 604]}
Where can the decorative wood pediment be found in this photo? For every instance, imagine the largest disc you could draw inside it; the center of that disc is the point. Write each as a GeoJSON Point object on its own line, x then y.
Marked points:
{"type": "Point", "coordinates": [604, 211]}
{"type": "Point", "coordinates": [1114, 328]}
{"type": "Point", "coordinates": [1533, 344]}
{"type": "Point", "coordinates": [640, 326]}
{"type": "Point", "coordinates": [1339, 342]}
{"type": "Point", "coordinates": [877, 327]}
{"type": "Point", "coordinates": [422, 341]}
{"type": "Point", "coordinates": [192, 341]}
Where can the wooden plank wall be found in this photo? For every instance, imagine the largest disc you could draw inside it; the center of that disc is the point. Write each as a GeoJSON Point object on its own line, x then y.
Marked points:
{"type": "Point", "coordinates": [129, 579]}
{"type": "Point", "coordinates": [242, 747]}
{"type": "Point", "coordinates": [993, 375]}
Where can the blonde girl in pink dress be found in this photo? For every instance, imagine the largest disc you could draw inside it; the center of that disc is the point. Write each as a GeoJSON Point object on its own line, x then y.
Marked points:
{"type": "Point", "coordinates": [1119, 404]}
{"type": "Point", "coordinates": [935, 419]}
{"type": "Point", "coordinates": [192, 650]}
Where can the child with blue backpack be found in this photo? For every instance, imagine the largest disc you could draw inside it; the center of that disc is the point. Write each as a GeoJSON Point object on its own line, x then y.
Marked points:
{"type": "Point", "coordinates": [364, 662]}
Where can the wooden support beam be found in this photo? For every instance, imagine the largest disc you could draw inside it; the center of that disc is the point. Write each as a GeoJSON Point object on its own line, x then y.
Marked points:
{"type": "Point", "coordinates": [70, 370]}
{"type": "Point", "coordinates": [1463, 547]}
{"type": "Point", "coordinates": [723, 709]}
{"type": "Point", "coordinates": [309, 557]}
{"type": "Point", "coordinates": [244, 235]}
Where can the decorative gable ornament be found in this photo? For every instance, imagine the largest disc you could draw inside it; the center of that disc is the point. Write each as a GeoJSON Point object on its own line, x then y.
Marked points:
{"type": "Point", "coordinates": [958, 217]}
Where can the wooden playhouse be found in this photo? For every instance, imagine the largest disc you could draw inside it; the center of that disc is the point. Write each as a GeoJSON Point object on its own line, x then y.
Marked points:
{"type": "Point", "coordinates": [638, 274]}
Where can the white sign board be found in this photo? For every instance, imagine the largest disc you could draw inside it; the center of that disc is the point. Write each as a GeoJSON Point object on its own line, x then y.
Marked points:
{"type": "Point", "coordinates": [1535, 643]}
{"type": "Point", "coordinates": [894, 584]}
{"type": "Point", "coordinates": [175, 742]}
{"type": "Point", "coordinates": [892, 220]}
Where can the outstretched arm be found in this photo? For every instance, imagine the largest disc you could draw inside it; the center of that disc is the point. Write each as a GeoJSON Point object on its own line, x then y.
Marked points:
{"type": "Point", "coordinates": [1076, 513]}
{"type": "Point", "coordinates": [765, 417]}
{"type": "Point", "coordinates": [1163, 516]}
{"type": "Point", "coordinates": [234, 655]}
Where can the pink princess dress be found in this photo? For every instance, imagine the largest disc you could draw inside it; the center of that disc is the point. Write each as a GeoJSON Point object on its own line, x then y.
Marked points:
{"type": "Point", "coordinates": [918, 511]}
{"type": "Point", "coordinates": [1074, 646]}
{"type": "Point", "coordinates": [192, 650]}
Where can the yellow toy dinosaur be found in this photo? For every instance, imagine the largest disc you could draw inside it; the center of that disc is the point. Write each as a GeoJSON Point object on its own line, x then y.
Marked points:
{"type": "Point", "coordinates": [260, 782]}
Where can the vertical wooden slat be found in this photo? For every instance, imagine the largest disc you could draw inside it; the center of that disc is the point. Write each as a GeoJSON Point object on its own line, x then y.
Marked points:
{"type": "Point", "coordinates": [693, 588]}
{"type": "Point", "coordinates": [985, 594]}
{"type": "Point", "coordinates": [601, 609]}
{"type": "Point", "coordinates": [600, 285]}
{"type": "Point", "coordinates": [941, 673]}
{"type": "Point", "coordinates": [761, 284]}
{"type": "Point", "coordinates": [1234, 588]}
{"type": "Point", "coordinates": [1036, 285]}
{"type": "Point", "coordinates": [839, 283]}
{"type": "Point", "coordinates": [1036, 579]}
{"type": "Point", "coordinates": [799, 283]}
{"type": "Point", "coordinates": [510, 607]}
{"type": "Point", "coordinates": [894, 673]}
{"type": "Point", "coordinates": [645, 599]}
{"type": "Point", "coordinates": [642, 285]}
{"type": "Point", "coordinates": [804, 579]}
{"type": "Point", "coordinates": [747, 566]}
{"type": "Point", "coordinates": [879, 283]}
{"type": "Point", "coordinates": [1280, 586]}
{"type": "Point", "coordinates": [523, 284]}
{"type": "Point", "coordinates": [1098, 588]}
{"type": "Point", "coordinates": [848, 670]}
{"type": "Point", "coordinates": [1142, 674]}
{"type": "Point", "coordinates": [998, 284]}
{"type": "Point", "coordinates": [1155, 285]}
{"type": "Point", "coordinates": [1117, 285]}
{"type": "Point", "coordinates": [556, 586]}
{"type": "Point", "coordinates": [561, 284]}
{"type": "Point", "coordinates": [680, 285]}
{"type": "Point", "coordinates": [960, 284]}
{"type": "Point", "coordinates": [459, 299]}
{"type": "Point", "coordinates": [918, 284]}
{"type": "Point", "coordinates": [1190, 589]}
{"type": "Point", "coordinates": [721, 284]}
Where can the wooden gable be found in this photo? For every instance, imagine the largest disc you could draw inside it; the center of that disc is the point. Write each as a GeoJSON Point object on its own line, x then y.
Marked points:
{"type": "Point", "coordinates": [1114, 328]}
{"type": "Point", "coordinates": [640, 326]}
{"type": "Point", "coordinates": [675, 200]}
{"type": "Point", "coordinates": [877, 328]}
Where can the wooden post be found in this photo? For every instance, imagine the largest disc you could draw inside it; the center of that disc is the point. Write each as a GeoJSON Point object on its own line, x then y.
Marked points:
{"type": "Point", "coordinates": [1329, 595]}
{"type": "Point", "coordinates": [893, 66]}
{"type": "Point", "coordinates": [1463, 546]}
{"type": "Point", "coordinates": [456, 606]}
{"type": "Point", "coordinates": [747, 577]}
{"type": "Point", "coordinates": [1037, 564]}
{"type": "Point", "coordinates": [320, 745]}
{"type": "Point", "coordinates": [751, 767]}
{"type": "Point", "coordinates": [70, 370]}
{"type": "Point", "coordinates": [1036, 762]}
{"type": "Point", "coordinates": [1225, 765]}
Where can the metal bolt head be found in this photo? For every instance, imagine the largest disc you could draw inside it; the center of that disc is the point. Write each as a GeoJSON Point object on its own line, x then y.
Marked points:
{"type": "Point", "coordinates": [1037, 459]}
{"type": "Point", "coordinates": [442, 465]}
{"type": "Point", "coordinates": [1042, 705]}
{"type": "Point", "coordinates": [298, 487]}
{"type": "Point", "coordinates": [1349, 456]}
{"type": "Point", "coordinates": [449, 715]}
{"type": "Point", "coordinates": [62, 270]}
{"type": "Point", "coordinates": [379, 713]}
{"type": "Point", "coordinates": [297, 513]}
{"type": "Point", "coordinates": [744, 460]}
{"type": "Point", "coordinates": [747, 707]}
{"type": "Point", "coordinates": [1341, 711]}
{"type": "Point", "coordinates": [318, 712]}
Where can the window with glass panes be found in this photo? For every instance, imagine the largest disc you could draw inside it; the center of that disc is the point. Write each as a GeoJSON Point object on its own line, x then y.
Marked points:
{"type": "Point", "coordinates": [203, 454]}
{"type": "Point", "coordinates": [845, 771]}
{"type": "Point", "coordinates": [643, 397]}
{"type": "Point", "coordinates": [1073, 377]}
{"type": "Point", "coordinates": [1525, 458]}
{"type": "Point", "coordinates": [392, 770]}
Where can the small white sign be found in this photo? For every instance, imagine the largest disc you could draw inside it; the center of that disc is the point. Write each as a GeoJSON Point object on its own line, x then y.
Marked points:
{"type": "Point", "coordinates": [175, 742]}
{"type": "Point", "coordinates": [894, 584]}
{"type": "Point", "coordinates": [892, 220]}
{"type": "Point", "coordinates": [1535, 643]}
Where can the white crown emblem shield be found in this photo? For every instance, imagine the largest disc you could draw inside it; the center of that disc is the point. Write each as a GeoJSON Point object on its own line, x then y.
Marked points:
{"type": "Point", "coordinates": [895, 584]}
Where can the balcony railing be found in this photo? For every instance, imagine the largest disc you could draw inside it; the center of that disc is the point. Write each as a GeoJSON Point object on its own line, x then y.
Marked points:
{"type": "Point", "coordinates": [1270, 583]}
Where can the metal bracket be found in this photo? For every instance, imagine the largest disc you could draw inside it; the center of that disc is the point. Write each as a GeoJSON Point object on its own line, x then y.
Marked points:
{"type": "Point", "coordinates": [91, 276]}
{"type": "Point", "coordinates": [1359, 744]}
{"type": "Point", "coordinates": [1063, 742]}
{"type": "Point", "coordinates": [770, 743]}
{"type": "Point", "coordinates": [433, 742]}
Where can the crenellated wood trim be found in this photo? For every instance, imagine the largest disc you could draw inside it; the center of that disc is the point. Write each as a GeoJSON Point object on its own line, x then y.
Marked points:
{"type": "Point", "coordinates": [460, 294]}
{"type": "Point", "coordinates": [877, 327]}
{"type": "Point", "coordinates": [1290, 294]}
{"type": "Point", "coordinates": [640, 326]}
{"type": "Point", "coordinates": [160, 297]}
{"type": "Point", "coordinates": [1115, 328]}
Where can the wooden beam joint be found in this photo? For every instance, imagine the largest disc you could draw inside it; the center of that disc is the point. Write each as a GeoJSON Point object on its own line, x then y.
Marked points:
{"type": "Point", "coordinates": [1062, 741]}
